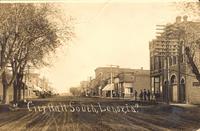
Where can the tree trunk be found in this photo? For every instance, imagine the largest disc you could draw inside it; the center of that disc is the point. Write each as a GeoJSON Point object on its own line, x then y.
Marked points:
{"type": "Point", "coordinates": [5, 95]}
{"type": "Point", "coordinates": [15, 94]}
{"type": "Point", "coordinates": [5, 88]}
{"type": "Point", "coordinates": [23, 91]}
{"type": "Point", "coordinates": [20, 85]}
{"type": "Point", "coordinates": [19, 92]}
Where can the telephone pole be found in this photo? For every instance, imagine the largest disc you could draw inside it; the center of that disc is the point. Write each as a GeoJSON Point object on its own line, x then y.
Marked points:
{"type": "Point", "coordinates": [111, 77]}
{"type": "Point", "coordinates": [172, 33]}
{"type": "Point", "coordinates": [165, 39]}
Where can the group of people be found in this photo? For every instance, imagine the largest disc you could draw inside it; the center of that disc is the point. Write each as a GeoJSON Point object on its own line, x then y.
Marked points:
{"type": "Point", "coordinates": [146, 95]}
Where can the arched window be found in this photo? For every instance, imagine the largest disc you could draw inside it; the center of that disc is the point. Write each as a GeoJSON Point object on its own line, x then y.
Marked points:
{"type": "Point", "coordinates": [182, 81]}
{"type": "Point", "coordinates": [173, 79]}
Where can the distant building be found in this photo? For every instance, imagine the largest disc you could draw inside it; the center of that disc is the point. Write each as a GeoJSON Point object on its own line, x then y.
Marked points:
{"type": "Point", "coordinates": [9, 93]}
{"type": "Point", "coordinates": [36, 86]}
{"type": "Point", "coordinates": [170, 71]}
{"type": "Point", "coordinates": [33, 89]}
{"type": "Point", "coordinates": [85, 88]}
{"type": "Point", "coordinates": [124, 81]}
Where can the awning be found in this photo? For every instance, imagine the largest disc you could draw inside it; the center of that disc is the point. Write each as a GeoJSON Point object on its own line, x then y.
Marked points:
{"type": "Point", "coordinates": [108, 87]}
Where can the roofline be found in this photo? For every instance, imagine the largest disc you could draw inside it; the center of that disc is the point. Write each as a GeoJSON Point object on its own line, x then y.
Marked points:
{"type": "Point", "coordinates": [121, 68]}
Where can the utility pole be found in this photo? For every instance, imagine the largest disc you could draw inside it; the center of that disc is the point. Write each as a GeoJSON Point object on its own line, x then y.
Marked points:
{"type": "Point", "coordinates": [167, 71]}
{"type": "Point", "coordinates": [172, 30]}
{"type": "Point", "coordinates": [165, 42]}
{"type": "Point", "coordinates": [167, 32]}
{"type": "Point", "coordinates": [178, 69]}
{"type": "Point", "coordinates": [111, 77]}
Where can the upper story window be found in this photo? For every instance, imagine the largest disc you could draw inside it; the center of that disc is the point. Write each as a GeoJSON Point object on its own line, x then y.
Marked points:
{"type": "Point", "coordinates": [170, 61]}
{"type": "Point", "coordinates": [174, 60]}
{"type": "Point", "coordinates": [160, 62]}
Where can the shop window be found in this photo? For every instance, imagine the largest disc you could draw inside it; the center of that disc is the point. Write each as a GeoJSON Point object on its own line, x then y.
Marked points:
{"type": "Point", "coordinates": [131, 90]}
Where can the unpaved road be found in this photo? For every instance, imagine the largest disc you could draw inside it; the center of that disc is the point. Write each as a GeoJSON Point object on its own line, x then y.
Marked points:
{"type": "Point", "coordinates": [155, 117]}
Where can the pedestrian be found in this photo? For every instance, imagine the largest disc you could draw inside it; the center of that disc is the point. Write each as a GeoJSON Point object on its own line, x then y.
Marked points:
{"type": "Point", "coordinates": [117, 94]}
{"type": "Point", "coordinates": [145, 94]}
{"type": "Point", "coordinates": [123, 94]}
{"type": "Point", "coordinates": [114, 94]}
{"type": "Point", "coordinates": [135, 95]}
{"type": "Point", "coordinates": [141, 95]}
{"type": "Point", "coordinates": [153, 95]}
{"type": "Point", "coordinates": [148, 95]}
{"type": "Point", "coordinates": [157, 95]}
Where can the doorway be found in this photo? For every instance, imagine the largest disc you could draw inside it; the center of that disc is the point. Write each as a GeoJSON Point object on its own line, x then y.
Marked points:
{"type": "Point", "coordinates": [174, 89]}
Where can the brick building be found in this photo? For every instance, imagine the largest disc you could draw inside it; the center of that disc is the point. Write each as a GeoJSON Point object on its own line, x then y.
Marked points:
{"type": "Point", "coordinates": [171, 72]}
{"type": "Point", "coordinates": [124, 81]}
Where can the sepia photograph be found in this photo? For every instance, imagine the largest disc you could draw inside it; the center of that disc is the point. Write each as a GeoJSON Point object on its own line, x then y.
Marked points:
{"type": "Point", "coordinates": [99, 65]}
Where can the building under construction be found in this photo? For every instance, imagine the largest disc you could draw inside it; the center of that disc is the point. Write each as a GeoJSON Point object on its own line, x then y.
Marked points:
{"type": "Point", "coordinates": [175, 61]}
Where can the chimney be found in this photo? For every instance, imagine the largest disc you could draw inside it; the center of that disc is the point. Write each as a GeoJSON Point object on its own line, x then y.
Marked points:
{"type": "Point", "coordinates": [185, 17]}
{"type": "Point", "coordinates": [178, 19]}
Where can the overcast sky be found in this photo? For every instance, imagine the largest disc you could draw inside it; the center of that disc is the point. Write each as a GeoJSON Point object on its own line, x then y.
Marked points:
{"type": "Point", "coordinates": [107, 33]}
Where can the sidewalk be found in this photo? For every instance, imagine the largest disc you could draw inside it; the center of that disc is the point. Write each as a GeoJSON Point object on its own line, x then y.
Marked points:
{"type": "Point", "coordinates": [183, 105]}
{"type": "Point", "coordinates": [6, 108]}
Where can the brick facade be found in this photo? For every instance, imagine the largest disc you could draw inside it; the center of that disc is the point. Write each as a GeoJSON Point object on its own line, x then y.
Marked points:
{"type": "Point", "coordinates": [176, 83]}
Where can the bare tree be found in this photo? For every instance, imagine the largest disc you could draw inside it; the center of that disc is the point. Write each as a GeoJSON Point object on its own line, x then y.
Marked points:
{"type": "Point", "coordinates": [191, 9]}
{"type": "Point", "coordinates": [192, 37]}
{"type": "Point", "coordinates": [34, 37]}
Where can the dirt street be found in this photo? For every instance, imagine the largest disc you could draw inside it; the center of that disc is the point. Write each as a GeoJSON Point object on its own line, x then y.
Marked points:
{"type": "Point", "coordinates": [95, 114]}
